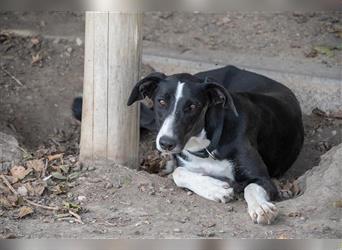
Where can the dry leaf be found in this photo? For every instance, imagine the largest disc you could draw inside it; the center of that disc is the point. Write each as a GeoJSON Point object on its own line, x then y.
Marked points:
{"type": "Point", "coordinates": [35, 40]}
{"type": "Point", "coordinates": [38, 187]}
{"type": "Point", "coordinates": [58, 176]}
{"type": "Point", "coordinates": [36, 58]}
{"type": "Point", "coordinates": [4, 202]}
{"type": "Point", "coordinates": [19, 172]}
{"type": "Point", "coordinates": [55, 157]}
{"type": "Point", "coordinates": [11, 179]}
{"type": "Point", "coordinates": [37, 165]}
{"type": "Point", "coordinates": [283, 236]}
{"type": "Point", "coordinates": [24, 211]}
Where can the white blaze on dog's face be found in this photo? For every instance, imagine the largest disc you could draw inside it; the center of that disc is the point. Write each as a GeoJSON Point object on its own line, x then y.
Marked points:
{"type": "Point", "coordinates": [180, 114]}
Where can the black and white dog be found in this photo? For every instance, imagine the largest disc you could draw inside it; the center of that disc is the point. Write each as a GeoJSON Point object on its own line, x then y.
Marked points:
{"type": "Point", "coordinates": [229, 130]}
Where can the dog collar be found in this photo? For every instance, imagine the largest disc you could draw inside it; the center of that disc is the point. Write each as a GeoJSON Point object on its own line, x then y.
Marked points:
{"type": "Point", "coordinates": [204, 153]}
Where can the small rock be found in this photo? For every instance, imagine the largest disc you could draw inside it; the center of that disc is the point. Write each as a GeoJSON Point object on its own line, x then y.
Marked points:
{"type": "Point", "coordinates": [152, 192]}
{"type": "Point", "coordinates": [79, 41]}
{"type": "Point", "coordinates": [230, 209]}
{"type": "Point", "coordinates": [189, 193]}
{"type": "Point", "coordinates": [91, 168]}
{"type": "Point", "coordinates": [177, 230]}
{"type": "Point", "coordinates": [108, 185]}
{"type": "Point", "coordinates": [211, 234]}
{"type": "Point", "coordinates": [56, 41]}
{"type": "Point", "coordinates": [69, 49]}
{"type": "Point", "coordinates": [22, 191]}
{"type": "Point", "coordinates": [81, 198]}
{"type": "Point", "coordinates": [334, 132]}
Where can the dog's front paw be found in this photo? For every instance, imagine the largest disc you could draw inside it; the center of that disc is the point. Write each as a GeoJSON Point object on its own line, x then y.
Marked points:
{"type": "Point", "coordinates": [218, 191]}
{"type": "Point", "coordinates": [263, 213]}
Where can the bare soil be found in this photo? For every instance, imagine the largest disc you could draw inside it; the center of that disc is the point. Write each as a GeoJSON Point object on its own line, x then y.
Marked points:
{"type": "Point", "coordinates": [116, 202]}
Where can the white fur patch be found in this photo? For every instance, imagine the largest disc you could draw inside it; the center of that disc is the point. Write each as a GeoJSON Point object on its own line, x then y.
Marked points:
{"type": "Point", "coordinates": [167, 127]}
{"type": "Point", "coordinates": [197, 143]}
{"type": "Point", "coordinates": [259, 208]}
{"type": "Point", "coordinates": [205, 186]}
{"type": "Point", "coordinates": [206, 166]}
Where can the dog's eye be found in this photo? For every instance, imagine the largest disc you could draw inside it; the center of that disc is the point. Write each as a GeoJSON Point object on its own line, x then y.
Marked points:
{"type": "Point", "coordinates": [162, 102]}
{"type": "Point", "coordinates": [191, 108]}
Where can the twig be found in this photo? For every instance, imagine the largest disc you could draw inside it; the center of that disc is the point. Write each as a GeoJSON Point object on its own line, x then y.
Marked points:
{"type": "Point", "coordinates": [78, 218]}
{"type": "Point", "coordinates": [39, 205]}
{"type": "Point", "coordinates": [12, 76]}
{"type": "Point", "coordinates": [27, 200]}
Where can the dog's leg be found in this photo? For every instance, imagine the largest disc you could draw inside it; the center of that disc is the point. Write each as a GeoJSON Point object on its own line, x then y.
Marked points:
{"type": "Point", "coordinates": [205, 186]}
{"type": "Point", "coordinates": [259, 208]}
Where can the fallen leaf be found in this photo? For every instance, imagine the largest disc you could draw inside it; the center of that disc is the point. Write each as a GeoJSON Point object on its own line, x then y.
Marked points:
{"type": "Point", "coordinates": [36, 58]}
{"type": "Point", "coordinates": [58, 176]}
{"type": "Point", "coordinates": [59, 189]}
{"type": "Point", "coordinates": [73, 176]}
{"type": "Point", "coordinates": [55, 157]}
{"type": "Point", "coordinates": [65, 168]}
{"type": "Point", "coordinates": [36, 188]}
{"type": "Point", "coordinates": [71, 206]}
{"type": "Point", "coordinates": [4, 202]}
{"type": "Point", "coordinates": [282, 236]}
{"type": "Point", "coordinates": [24, 211]}
{"type": "Point", "coordinates": [19, 172]}
{"type": "Point", "coordinates": [324, 50]}
{"type": "Point", "coordinates": [37, 165]}
{"type": "Point", "coordinates": [35, 40]}
{"type": "Point", "coordinates": [338, 204]}
{"type": "Point", "coordinates": [12, 179]}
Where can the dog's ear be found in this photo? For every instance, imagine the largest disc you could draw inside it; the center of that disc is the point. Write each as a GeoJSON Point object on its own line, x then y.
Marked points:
{"type": "Point", "coordinates": [219, 95]}
{"type": "Point", "coordinates": [145, 87]}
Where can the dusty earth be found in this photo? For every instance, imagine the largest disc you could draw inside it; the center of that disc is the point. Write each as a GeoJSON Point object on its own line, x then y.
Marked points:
{"type": "Point", "coordinates": [40, 76]}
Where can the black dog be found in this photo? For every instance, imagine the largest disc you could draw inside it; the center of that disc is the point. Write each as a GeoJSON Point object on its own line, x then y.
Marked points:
{"type": "Point", "coordinates": [225, 126]}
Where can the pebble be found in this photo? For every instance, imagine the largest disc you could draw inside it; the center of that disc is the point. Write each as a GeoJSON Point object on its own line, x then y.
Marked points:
{"type": "Point", "coordinates": [177, 230]}
{"type": "Point", "coordinates": [69, 49]}
{"type": "Point", "coordinates": [189, 193]}
{"type": "Point", "coordinates": [230, 209]}
{"type": "Point", "coordinates": [108, 185]}
{"type": "Point", "coordinates": [334, 132]}
{"type": "Point", "coordinates": [211, 234]}
{"type": "Point", "coordinates": [22, 191]}
{"type": "Point", "coordinates": [79, 41]}
{"type": "Point", "coordinates": [91, 168]}
{"type": "Point", "coordinates": [81, 198]}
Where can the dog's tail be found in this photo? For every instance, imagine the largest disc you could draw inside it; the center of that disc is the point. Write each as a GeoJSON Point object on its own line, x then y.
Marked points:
{"type": "Point", "coordinates": [147, 120]}
{"type": "Point", "coordinates": [77, 108]}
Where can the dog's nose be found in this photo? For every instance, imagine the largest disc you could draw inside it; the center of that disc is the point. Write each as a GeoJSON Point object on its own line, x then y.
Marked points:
{"type": "Point", "coordinates": [167, 143]}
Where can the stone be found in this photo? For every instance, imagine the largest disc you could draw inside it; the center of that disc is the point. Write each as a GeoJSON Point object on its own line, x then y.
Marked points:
{"type": "Point", "coordinates": [10, 153]}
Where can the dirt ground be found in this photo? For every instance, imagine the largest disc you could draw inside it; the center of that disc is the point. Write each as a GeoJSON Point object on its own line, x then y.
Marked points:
{"type": "Point", "coordinates": [39, 78]}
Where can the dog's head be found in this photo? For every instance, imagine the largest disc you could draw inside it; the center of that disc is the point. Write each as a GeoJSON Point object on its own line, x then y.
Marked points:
{"type": "Point", "coordinates": [180, 103]}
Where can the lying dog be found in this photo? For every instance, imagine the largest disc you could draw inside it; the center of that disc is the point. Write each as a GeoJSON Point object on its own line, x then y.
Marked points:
{"type": "Point", "coordinates": [228, 129]}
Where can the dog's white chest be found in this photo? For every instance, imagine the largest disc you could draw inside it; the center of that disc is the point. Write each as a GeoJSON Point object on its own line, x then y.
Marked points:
{"type": "Point", "coordinates": [208, 166]}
